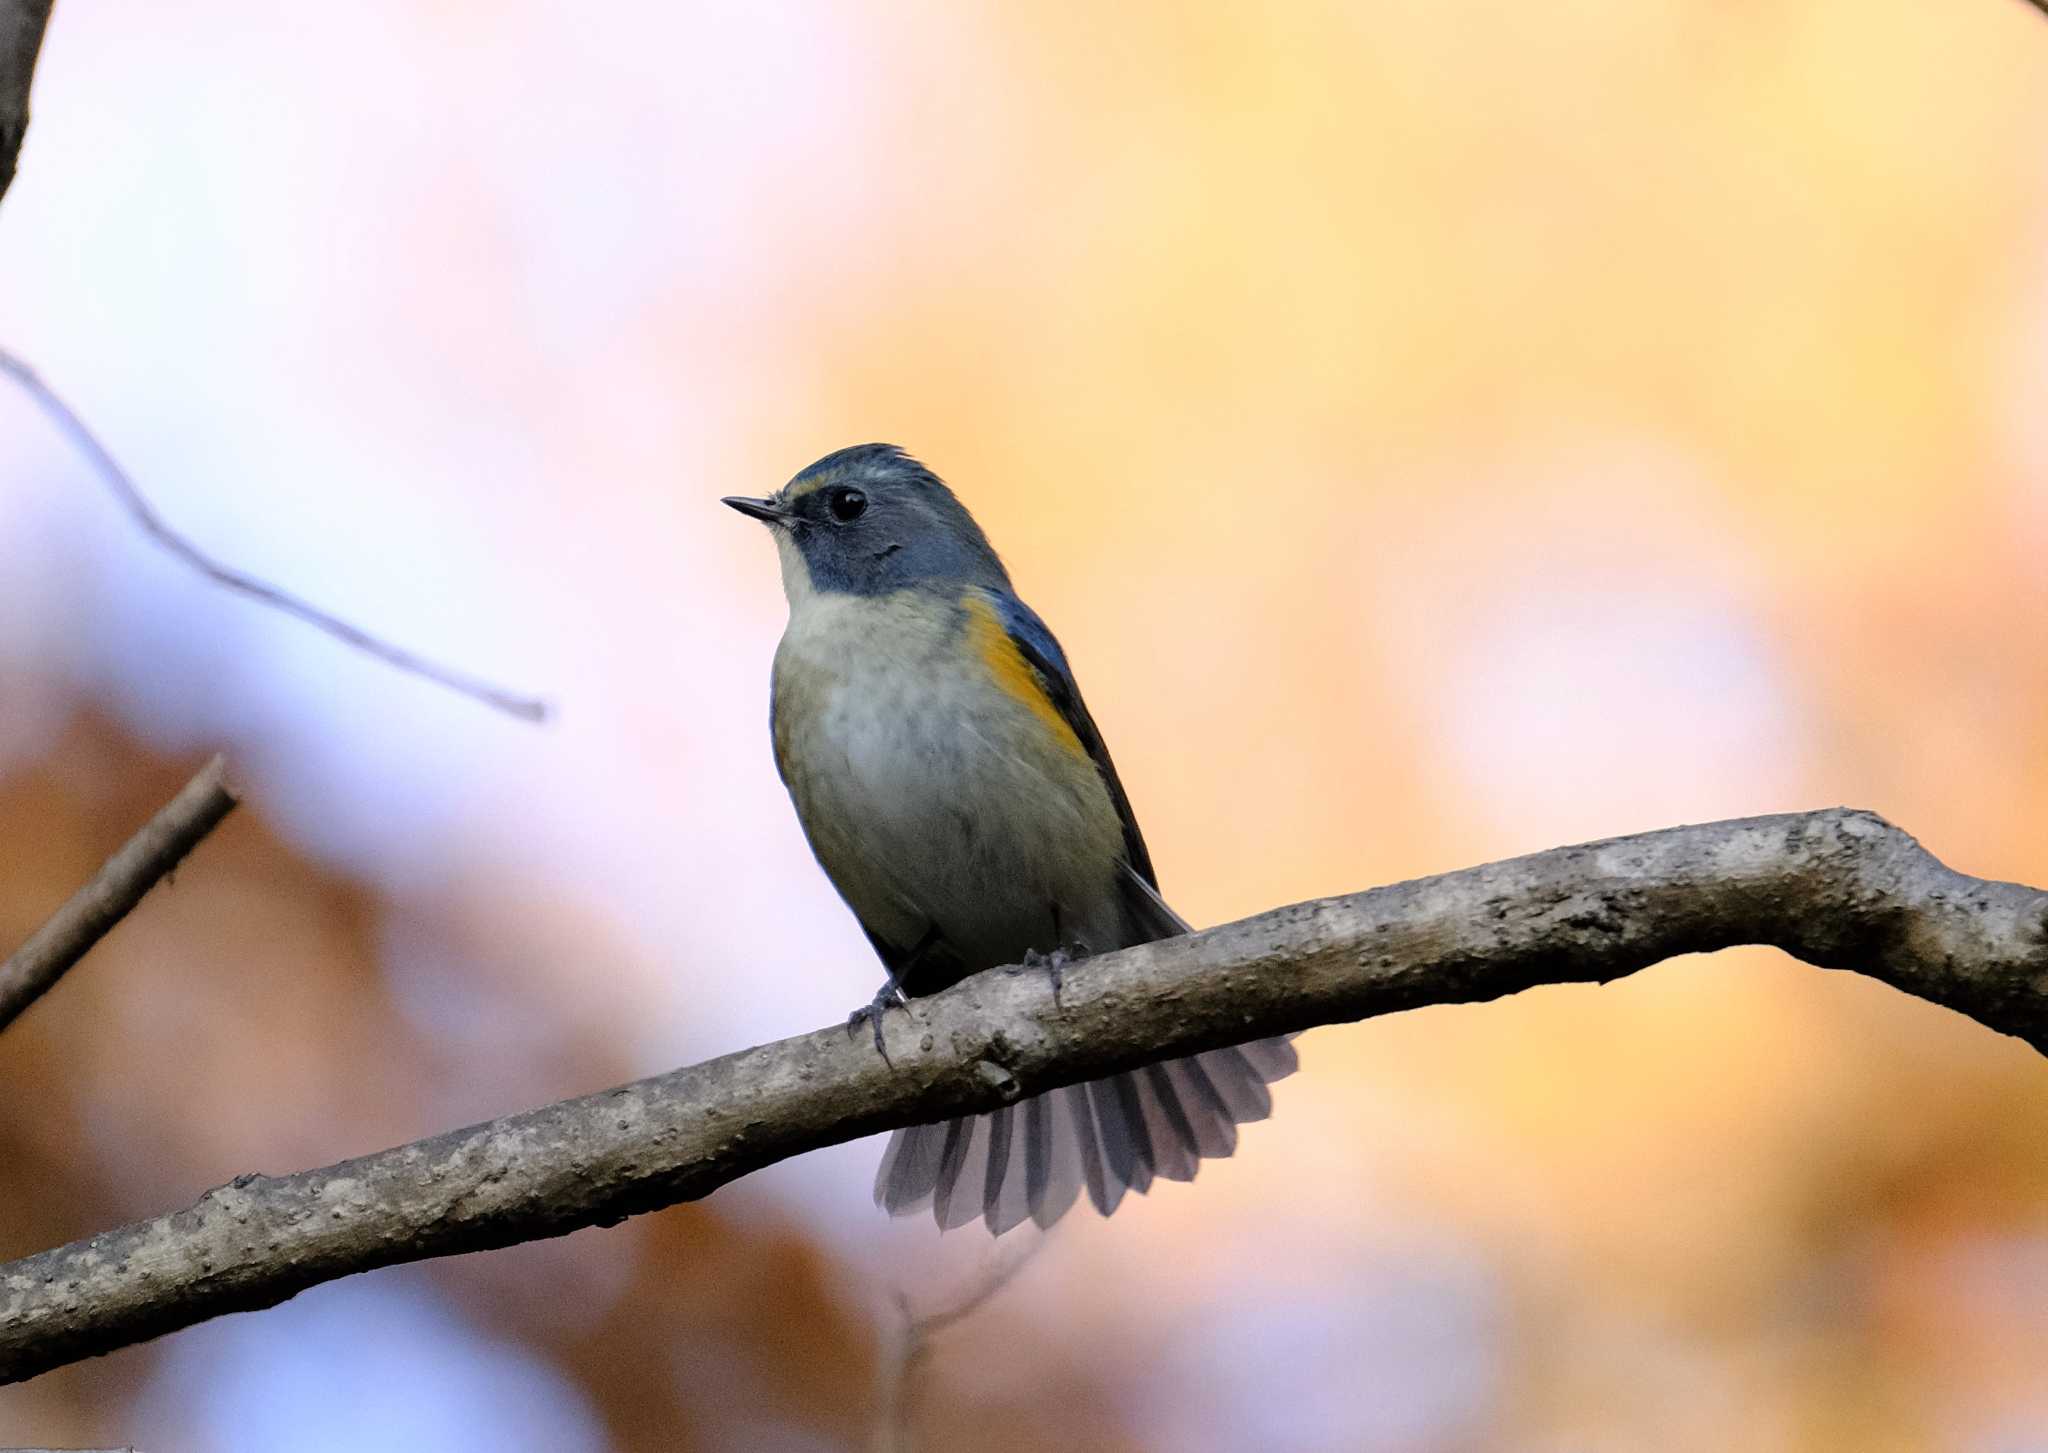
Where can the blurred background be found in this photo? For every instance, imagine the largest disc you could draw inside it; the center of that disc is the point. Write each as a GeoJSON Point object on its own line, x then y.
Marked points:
{"type": "Point", "coordinates": [1438, 429]}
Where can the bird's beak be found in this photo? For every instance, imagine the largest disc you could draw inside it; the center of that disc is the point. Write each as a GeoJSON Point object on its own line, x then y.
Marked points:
{"type": "Point", "coordinates": [760, 509]}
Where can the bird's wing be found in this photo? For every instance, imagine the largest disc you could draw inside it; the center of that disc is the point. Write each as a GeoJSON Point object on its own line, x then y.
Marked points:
{"type": "Point", "coordinates": [1049, 664]}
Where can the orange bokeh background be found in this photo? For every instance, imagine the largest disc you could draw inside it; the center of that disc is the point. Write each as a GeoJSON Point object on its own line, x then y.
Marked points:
{"type": "Point", "coordinates": [1437, 429]}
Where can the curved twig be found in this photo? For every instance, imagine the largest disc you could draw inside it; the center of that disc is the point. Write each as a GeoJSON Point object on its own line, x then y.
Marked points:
{"type": "Point", "coordinates": [897, 1372]}
{"type": "Point", "coordinates": [131, 498]}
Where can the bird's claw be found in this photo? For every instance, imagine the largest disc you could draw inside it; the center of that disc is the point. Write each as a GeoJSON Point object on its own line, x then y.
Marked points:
{"type": "Point", "coordinates": [1055, 966]}
{"type": "Point", "coordinates": [886, 998]}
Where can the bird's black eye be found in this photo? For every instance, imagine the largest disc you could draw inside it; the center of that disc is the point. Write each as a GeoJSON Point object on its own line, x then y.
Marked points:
{"type": "Point", "coordinates": [846, 504]}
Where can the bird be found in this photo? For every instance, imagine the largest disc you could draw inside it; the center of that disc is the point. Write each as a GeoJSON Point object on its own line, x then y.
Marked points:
{"type": "Point", "coordinates": [957, 793]}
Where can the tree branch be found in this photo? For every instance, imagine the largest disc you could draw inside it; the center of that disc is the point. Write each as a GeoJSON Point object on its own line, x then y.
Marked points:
{"type": "Point", "coordinates": [89, 913]}
{"type": "Point", "coordinates": [897, 1371]}
{"type": "Point", "coordinates": [152, 524]}
{"type": "Point", "coordinates": [1839, 889]}
{"type": "Point", "coordinates": [22, 23]}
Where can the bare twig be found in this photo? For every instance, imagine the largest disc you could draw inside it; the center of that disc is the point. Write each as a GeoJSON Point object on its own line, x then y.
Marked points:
{"type": "Point", "coordinates": [22, 23]}
{"type": "Point", "coordinates": [527, 708]}
{"type": "Point", "coordinates": [88, 914]}
{"type": "Point", "coordinates": [1839, 889]}
{"type": "Point", "coordinates": [896, 1376]}
{"type": "Point", "coordinates": [21, 38]}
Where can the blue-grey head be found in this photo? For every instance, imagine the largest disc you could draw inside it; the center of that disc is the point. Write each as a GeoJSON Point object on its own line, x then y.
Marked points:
{"type": "Point", "coordinates": [870, 520]}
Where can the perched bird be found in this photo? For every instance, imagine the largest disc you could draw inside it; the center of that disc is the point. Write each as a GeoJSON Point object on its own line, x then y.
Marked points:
{"type": "Point", "coordinates": [959, 797]}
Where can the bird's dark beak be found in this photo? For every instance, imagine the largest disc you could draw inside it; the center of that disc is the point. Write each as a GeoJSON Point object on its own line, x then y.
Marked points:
{"type": "Point", "coordinates": [760, 509]}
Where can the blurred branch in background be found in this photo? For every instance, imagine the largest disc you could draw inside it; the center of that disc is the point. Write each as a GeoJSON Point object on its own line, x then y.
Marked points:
{"type": "Point", "coordinates": [21, 39]}
{"type": "Point", "coordinates": [1837, 888]}
{"type": "Point", "coordinates": [22, 23]}
{"type": "Point", "coordinates": [526, 708]}
{"type": "Point", "coordinates": [897, 1371]}
{"type": "Point", "coordinates": [95, 908]}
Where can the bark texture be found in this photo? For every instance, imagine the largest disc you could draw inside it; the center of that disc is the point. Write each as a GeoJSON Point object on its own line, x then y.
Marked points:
{"type": "Point", "coordinates": [1839, 888]}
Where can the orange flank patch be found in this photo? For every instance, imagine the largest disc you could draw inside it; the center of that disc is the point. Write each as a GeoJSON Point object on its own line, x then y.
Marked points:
{"type": "Point", "coordinates": [1014, 674]}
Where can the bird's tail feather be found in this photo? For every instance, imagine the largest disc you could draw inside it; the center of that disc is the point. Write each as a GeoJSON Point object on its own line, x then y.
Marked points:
{"type": "Point", "coordinates": [1034, 1160]}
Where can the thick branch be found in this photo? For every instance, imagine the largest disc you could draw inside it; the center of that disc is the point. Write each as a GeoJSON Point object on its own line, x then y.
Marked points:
{"type": "Point", "coordinates": [88, 914]}
{"type": "Point", "coordinates": [1840, 889]}
{"type": "Point", "coordinates": [21, 38]}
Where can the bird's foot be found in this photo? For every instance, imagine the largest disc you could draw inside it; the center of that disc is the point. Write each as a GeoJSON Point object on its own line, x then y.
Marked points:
{"type": "Point", "coordinates": [1054, 965]}
{"type": "Point", "coordinates": [888, 997]}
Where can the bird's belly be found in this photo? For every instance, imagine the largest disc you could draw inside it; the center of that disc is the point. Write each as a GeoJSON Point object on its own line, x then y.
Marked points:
{"type": "Point", "coordinates": [934, 800]}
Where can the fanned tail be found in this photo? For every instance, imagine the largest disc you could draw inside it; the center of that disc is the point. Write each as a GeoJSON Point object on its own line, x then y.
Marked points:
{"type": "Point", "coordinates": [1034, 1159]}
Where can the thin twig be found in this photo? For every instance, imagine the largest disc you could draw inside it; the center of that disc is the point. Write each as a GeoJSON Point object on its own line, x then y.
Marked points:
{"type": "Point", "coordinates": [89, 913]}
{"type": "Point", "coordinates": [526, 708]}
{"type": "Point", "coordinates": [896, 1378]}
